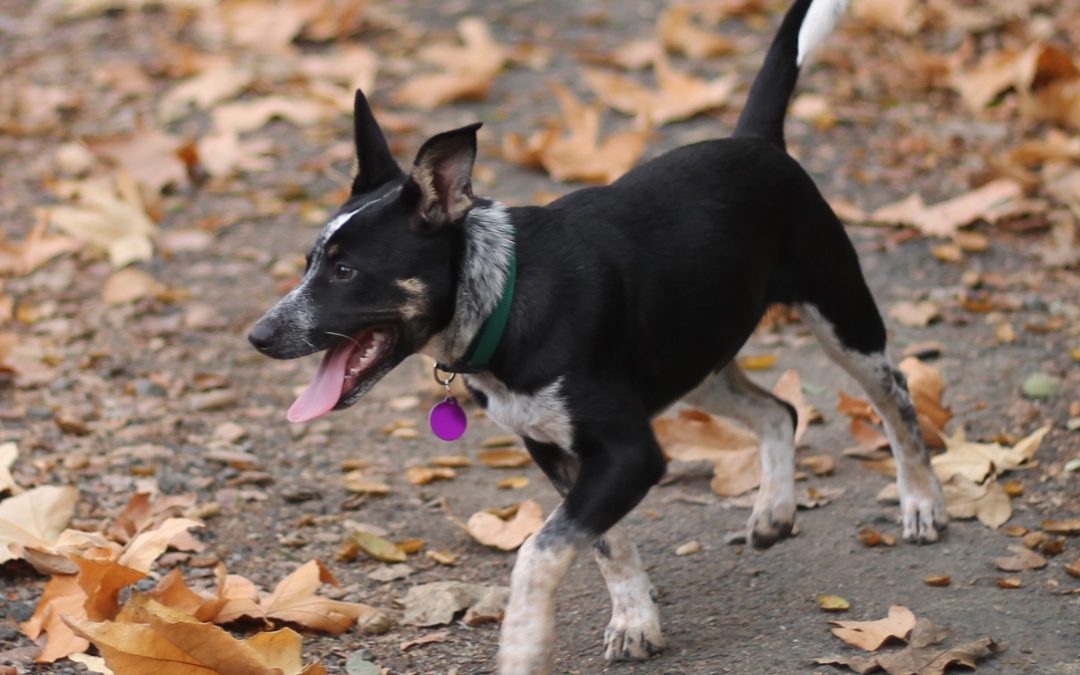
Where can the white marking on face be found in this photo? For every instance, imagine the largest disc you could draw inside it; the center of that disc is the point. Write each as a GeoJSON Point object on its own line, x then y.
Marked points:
{"type": "Point", "coordinates": [338, 221]}
{"type": "Point", "coordinates": [542, 416]}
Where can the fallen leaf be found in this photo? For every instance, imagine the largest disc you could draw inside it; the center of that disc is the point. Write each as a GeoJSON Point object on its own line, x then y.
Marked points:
{"type": "Point", "coordinates": [938, 580]}
{"type": "Point", "coordinates": [695, 436]}
{"type": "Point", "coordinates": [39, 247]}
{"type": "Point", "coordinates": [513, 483]}
{"type": "Point", "coordinates": [505, 458]}
{"type": "Point", "coordinates": [872, 635]}
{"type": "Point", "coordinates": [945, 218]}
{"type": "Point", "coordinates": [128, 285]}
{"type": "Point", "coordinates": [976, 461]}
{"type": "Point", "coordinates": [468, 70]}
{"type": "Point", "coordinates": [905, 17]}
{"type": "Point", "coordinates": [678, 96]}
{"type": "Point", "coordinates": [965, 498]}
{"type": "Point", "coordinates": [453, 461]}
{"type": "Point", "coordinates": [355, 481]}
{"type": "Point", "coordinates": [156, 638]}
{"type": "Point", "coordinates": [219, 81]}
{"type": "Point", "coordinates": [926, 386]}
{"type": "Point", "coordinates": [678, 33]}
{"type": "Point", "coordinates": [109, 214]}
{"type": "Point", "coordinates": [150, 156]}
{"type": "Point", "coordinates": [422, 475]}
{"type": "Point", "coordinates": [688, 548]}
{"type": "Point", "coordinates": [377, 547]}
{"type": "Point", "coordinates": [294, 600]}
{"type": "Point", "coordinates": [8, 453]}
{"type": "Point", "coordinates": [34, 518]}
{"type": "Point", "coordinates": [1009, 583]}
{"type": "Point", "coordinates": [437, 603]}
{"type": "Point", "coordinates": [789, 388]}
{"type": "Point", "coordinates": [147, 546]}
{"type": "Point", "coordinates": [490, 530]}
{"type": "Point", "coordinates": [869, 537]}
{"type": "Point", "coordinates": [915, 314]}
{"type": "Point", "coordinates": [819, 465]}
{"type": "Point", "coordinates": [833, 603]}
{"type": "Point", "coordinates": [252, 114]}
{"type": "Point", "coordinates": [424, 640]}
{"type": "Point", "coordinates": [572, 149]}
{"type": "Point", "coordinates": [1064, 526]}
{"type": "Point", "coordinates": [1024, 559]}
{"type": "Point", "coordinates": [758, 361]}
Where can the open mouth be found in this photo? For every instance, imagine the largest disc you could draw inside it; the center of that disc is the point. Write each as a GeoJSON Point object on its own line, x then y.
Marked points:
{"type": "Point", "coordinates": [347, 371]}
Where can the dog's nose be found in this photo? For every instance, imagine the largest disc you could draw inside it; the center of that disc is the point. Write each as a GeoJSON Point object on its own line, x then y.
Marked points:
{"type": "Point", "coordinates": [261, 336]}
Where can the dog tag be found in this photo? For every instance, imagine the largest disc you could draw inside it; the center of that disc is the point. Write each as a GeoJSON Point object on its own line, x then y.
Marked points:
{"type": "Point", "coordinates": [448, 420]}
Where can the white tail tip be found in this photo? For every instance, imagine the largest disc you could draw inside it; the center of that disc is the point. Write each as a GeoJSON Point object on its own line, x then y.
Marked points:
{"type": "Point", "coordinates": [819, 21]}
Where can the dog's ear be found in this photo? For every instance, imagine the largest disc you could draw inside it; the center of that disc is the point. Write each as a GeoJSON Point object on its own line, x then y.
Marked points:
{"type": "Point", "coordinates": [377, 165]}
{"type": "Point", "coordinates": [443, 172]}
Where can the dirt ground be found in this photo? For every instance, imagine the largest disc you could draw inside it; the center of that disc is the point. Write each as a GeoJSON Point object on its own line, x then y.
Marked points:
{"type": "Point", "coordinates": [129, 371]}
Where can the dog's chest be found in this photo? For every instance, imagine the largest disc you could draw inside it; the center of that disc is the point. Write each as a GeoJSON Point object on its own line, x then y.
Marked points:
{"type": "Point", "coordinates": [541, 415]}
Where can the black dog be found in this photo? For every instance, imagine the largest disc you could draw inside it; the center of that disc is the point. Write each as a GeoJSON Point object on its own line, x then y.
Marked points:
{"type": "Point", "coordinates": [603, 308]}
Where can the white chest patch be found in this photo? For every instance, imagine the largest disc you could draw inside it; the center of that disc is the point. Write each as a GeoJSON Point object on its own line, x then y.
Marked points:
{"type": "Point", "coordinates": [541, 416]}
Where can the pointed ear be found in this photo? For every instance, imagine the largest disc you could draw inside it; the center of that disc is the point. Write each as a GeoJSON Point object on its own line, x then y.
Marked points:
{"type": "Point", "coordinates": [377, 165]}
{"type": "Point", "coordinates": [443, 171]}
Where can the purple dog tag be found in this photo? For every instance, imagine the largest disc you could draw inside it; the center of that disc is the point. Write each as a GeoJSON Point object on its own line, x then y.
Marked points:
{"type": "Point", "coordinates": [447, 420]}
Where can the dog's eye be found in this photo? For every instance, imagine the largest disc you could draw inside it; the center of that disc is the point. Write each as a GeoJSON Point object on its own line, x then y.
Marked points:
{"type": "Point", "coordinates": [343, 272]}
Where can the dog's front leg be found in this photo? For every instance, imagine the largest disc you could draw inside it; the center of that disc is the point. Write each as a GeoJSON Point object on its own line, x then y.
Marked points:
{"type": "Point", "coordinates": [634, 630]}
{"type": "Point", "coordinates": [619, 461]}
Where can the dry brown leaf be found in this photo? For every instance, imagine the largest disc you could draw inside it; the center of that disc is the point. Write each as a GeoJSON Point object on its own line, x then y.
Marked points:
{"type": "Point", "coordinates": [901, 16]}
{"type": "Point", "coordinates": [504, 458]}
{"type": "Point", "coordinates": [945, 218]}
{"type": "Point", "coordinates": [151, 156]}
{"type": "Point", "coordinates": [147, 546]}
{"type": "Point", "coordinates": [93, 593]}
{"type": "Point", "coordinates": [872, 635]}
{"type": "Point", "coordinates": [8, 453]}
{"type": "Point", "coordinates": [976, 461]}
{"type": "Point", "coordinates": [355, 481]}
{"type": "Point", "coordinates": [857, 408]}
{"type": "Point", "coordinates": [679, 33]}
{"type": "Point", "coordinates": [967, 499]}
{"type": "Point", "coordinates": [223, 154]}
{"type": "Point", "coordinates": [377, 547]}
{"type": "Point", "coordinates": [758, 361]}
{"type": "Point", "coordinates": [452, 461]}
{"type": "Point", "coordinates": [437, 603]}
{"type": "Point", "coordinates": [108, 213]}
{"type": "Point", "coordinates": [833, 603]}
{"type": "Point", "coordinates": [422, 475]}
{"type": "Point", "coordinates": [1024, 559]}
{"type": "Point", "coordinates": [678, 96]}
{"type": "Point", "coordinates": [294, 600]}
{"type": "Point", "coordinates": [926, 386]}
{"type": "Point", "coordinates": [249, 115]}
{"type": "Point", "coordinates": [1062, 526]}
{"type": "Point", "coordinates": [573, 149]}
{"type": "Point", "coordinates": [733, 451]}
{"type": "Point", "coordinates": [39, 247]}
{"type": "Point", "coordinates": [34, 518]}
{"type": "Point", "coordinates": [155, 638]}
{"type": "Point", "coordinates": [469, 70]}
{"type": "Point", "coordinates": [937, 580]}
{"type": "Point", "coordinates": [789, 388]}
{"type": "Point", "coordinates": [490, 530]}
{"type": "Point", "coordinates": [513, 483]}
{"type": "Point", "coordinates": [915, 314]}
{"type": "Point", "coordinates": [219, 81]}
{"type": "Point", "coordinates": [914, 660]}
{"type": "Point", "coordinates": [128, 285]}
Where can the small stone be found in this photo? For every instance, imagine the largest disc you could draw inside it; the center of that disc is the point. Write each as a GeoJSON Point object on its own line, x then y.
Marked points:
{"type": "Point", "coordinates": [1041, 386]}
{"type": "Point", "coordinates": [391, 573]}
{"type": "Point", "coordinates": [690, 547]}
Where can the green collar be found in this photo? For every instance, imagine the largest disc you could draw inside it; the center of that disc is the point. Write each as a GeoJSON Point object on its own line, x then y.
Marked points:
{"type": "Point", "coordinates": [483, 346]}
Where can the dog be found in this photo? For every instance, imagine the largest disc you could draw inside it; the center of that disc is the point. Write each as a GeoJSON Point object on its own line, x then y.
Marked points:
{"type": "Point", "coordinates": [600, 310]}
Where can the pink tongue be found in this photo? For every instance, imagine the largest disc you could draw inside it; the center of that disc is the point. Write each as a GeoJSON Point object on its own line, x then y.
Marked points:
{"type": "Point", "coordinates": [325, 389]}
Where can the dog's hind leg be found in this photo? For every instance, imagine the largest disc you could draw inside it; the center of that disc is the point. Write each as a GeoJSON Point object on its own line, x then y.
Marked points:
{"type": "Point", "coordinates": [729, 392]}
{"type": "Point", "coordinates": [851, 332]}
{"type": "Point", "coordinates": [619, 462]}
{"type": "Point", "coordinates": [634, 630]}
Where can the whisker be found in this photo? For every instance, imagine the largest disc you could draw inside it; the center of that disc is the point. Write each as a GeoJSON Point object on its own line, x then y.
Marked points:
{"type": "Point", "coordinates": [352, 340]}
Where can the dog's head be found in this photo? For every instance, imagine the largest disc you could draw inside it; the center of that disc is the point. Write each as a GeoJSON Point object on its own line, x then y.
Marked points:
{"type": "Point", "coordinates": [380, 279]}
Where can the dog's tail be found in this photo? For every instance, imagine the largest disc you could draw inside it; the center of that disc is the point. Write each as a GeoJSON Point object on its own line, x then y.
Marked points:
{"type": "Point", "coordinates": [805, 25]}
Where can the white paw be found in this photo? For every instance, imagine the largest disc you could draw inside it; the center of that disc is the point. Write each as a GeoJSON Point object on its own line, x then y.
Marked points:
{"type": "Point", "coordinates": [923, 512]}
{"type": "Point", "coordinates": [633, 638]}
{"type": "Point", "coordinates": [769, 523]}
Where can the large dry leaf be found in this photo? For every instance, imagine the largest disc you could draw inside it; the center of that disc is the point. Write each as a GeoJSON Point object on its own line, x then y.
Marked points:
{"type": "Point", "coordinates": [39, 247]}
{"type": "Point", "coordinates": [108, 213]}
{"type": "Point", "coordinates": [238, 597]}
{"type": "Point", "coordinates": [294, 600]}
{"type": "Point", "coordinates": [732, 450]}
{"type": "Point", "coordinates": [789, 388]}
{"type": "Point", "coordinates": [915, 314]}
{"type": "Point", "coordinates": [468, 70]}
{"type": "Point", "coordinates": [151, 157]}
{"type": "Point", "coordinates": [437, 603]}
{"type": "Point", "coordinates": [491, 530]}
{"type": "Point", "coordinates": [944, 219]}
{"type": "Point", "coordinates": [872, 635]}
{"type": "Point", "coordinates": [902, 16]}
{"type": "Point", "coordinates": [128, 285]}
{"type": "Point", "coordinates": [223, 154]}
{"type": "Point", "coordinates": [144, 549]}
{"type": "Point", "coordinates": [1045, 77]}
{"type": "Point", "coordinates": [153, 638]}
{"type": "Point", "coordinates": [679, 96]}
{"type": "Point", "coordinates": [34, 518]}
{"type": "Point", "coordinates": [976, 461]}
{"type": "Point", "coordinates": [926, 386]}
{"type": "Point", "coordinates": [678, 33]}
{"type": "Point", "coordinates": [913, 660]}
{"type": "Point", "coordinates": [1022, 559]}
{"type": "Point", "coordinates": [249, 115]}
{"type": "Point", "coordinates": [573, 150]}
{"type": "Point", "coordinates": [967, 499]}
{"type": "Point", "coordinates": [93, 593]}
{"type": "Point", "coordinates": [220, 81]}
{"type": "Point", "coordinates": [8, 453]}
